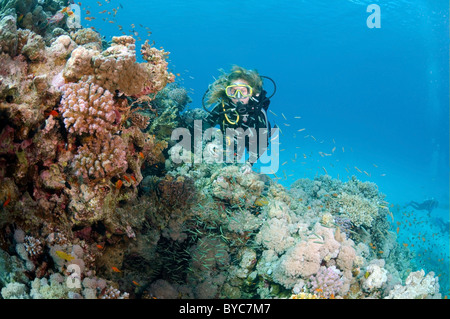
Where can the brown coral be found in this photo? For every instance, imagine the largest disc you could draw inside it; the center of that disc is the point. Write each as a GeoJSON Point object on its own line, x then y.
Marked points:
{"type": "Point", "coordinates": [157, 66]}
{"type": "Point", "coordinates": [101, 158]}
{"type": "Point", "coordinates": [176, 192]}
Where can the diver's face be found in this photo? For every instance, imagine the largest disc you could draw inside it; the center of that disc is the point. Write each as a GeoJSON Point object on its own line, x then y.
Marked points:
{"type": "Point", "coordinates": [243, 100]}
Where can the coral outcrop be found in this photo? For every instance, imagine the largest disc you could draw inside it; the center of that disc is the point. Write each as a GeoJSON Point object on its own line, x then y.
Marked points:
{"type": "Point", "coordinates": [96, 204]}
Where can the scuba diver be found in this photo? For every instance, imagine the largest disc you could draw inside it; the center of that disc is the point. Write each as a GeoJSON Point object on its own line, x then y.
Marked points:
{"type": "Point", "coordinates": [444, 226]}
{"type": "Point", "coordinates": [428, 205]}
{"type": "Point", "coordinates": [236, 101]}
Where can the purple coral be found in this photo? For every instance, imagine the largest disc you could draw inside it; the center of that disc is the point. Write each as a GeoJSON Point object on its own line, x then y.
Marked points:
{"type": "Point", "coordinates": [327, 281]}
{"type": "Point", "coordinates": [344, 224]}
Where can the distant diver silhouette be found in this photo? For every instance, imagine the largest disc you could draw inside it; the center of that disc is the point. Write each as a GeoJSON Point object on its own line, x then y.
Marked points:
{"type": "Point", "coordinates": [428, 205]}
{"type": "Point", "coordinates": [444, 226]}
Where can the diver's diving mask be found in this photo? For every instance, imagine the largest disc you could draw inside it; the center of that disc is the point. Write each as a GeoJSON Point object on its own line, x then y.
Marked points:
{"type": "Point", "coordinates": [239, 91]}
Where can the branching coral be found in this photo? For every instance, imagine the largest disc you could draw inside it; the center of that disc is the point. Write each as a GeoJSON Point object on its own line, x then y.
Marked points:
{"type": "Point", "coordinates": [157, 67]}
{"type": "Point", "coordinates": [101, 158]}
{"type": "Point", "coordinates": [360, 210]}
{"type": "Point", "coordinates": [33, 246]}
{"type": "Point", "coordinates": [88, 108]}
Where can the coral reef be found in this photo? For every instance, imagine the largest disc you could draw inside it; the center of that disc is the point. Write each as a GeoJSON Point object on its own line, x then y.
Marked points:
{"type": "Point", "coordinates": [95, 204]}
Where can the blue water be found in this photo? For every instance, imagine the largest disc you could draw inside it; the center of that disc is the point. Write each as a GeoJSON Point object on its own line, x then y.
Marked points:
{"type": "Point", "coordinates": [378, 97]}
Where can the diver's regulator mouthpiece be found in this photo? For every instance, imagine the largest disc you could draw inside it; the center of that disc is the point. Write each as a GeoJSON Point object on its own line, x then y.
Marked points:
{"type": "Point", "coordinates": [241, 108]}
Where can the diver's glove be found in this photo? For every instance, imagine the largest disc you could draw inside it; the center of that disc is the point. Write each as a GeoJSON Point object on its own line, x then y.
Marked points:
{"type": "Point", "coordinates": [246, 168]}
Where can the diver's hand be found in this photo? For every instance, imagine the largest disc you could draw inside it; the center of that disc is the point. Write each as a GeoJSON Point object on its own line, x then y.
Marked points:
{"type": "Point", "coordinates": [246, 168]}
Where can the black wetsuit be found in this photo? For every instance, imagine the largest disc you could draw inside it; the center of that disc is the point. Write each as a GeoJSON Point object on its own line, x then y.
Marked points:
{"type": "Point", "coordinates": [253, 115]}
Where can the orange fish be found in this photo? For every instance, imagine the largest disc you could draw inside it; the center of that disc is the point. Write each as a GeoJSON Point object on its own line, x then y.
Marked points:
{"type": "Point", "coordinates": [119, 184]}
{"type": "Point", "coordinates": [6, 203]}
{"type": "Point", "coordinates": [53, 113]}
{"type": "Point", "coordinates": [127, 178]}
{"type": "Point", "coordinates": [133, 178]}
{"type": "Point", "coordinates": [406, 245]}
{"type": "Point", "coordinates": [115, 269]}
{"type": "Point", "coordinates": [141, 155]}
{"type": "Point", "coordinates": [136, 283]}
{"type": "Point", "coordinates": [99, 246]}
{"type": "Point", "coordinates": [398, 229]}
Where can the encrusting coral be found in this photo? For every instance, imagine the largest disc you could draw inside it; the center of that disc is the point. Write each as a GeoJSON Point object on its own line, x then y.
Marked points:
{"type": "Point", "coordinates": [116, 68]}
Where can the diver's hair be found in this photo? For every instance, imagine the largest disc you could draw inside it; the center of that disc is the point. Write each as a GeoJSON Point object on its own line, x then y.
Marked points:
{"type": "Point", "coordinates": [217, 89]}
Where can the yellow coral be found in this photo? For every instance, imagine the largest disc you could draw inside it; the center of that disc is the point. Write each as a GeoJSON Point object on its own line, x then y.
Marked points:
{"type": "Point", "coordinates": [261, 202]}
{"type": "Point", "coordinates": [304, 295]}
